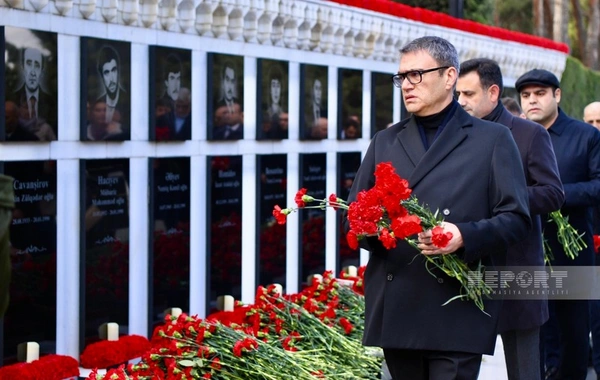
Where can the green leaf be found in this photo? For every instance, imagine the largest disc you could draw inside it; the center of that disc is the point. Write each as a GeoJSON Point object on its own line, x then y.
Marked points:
{"type": "Point", "coordinates": [186, 363]}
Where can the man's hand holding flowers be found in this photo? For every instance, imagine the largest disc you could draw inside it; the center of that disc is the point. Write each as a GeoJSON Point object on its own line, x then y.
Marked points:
{"type": "Point", "coordinates": [390, 212]}
{"type": "Point", "coordinates": [431, 243]}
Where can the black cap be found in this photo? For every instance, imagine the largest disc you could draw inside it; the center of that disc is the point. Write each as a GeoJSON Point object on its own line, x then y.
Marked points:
{"type": "Point", "coordinates": [537, 76]}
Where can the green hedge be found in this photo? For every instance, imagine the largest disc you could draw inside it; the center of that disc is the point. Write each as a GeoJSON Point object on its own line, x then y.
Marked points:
{"type": "Point", "coordinates": [579, 87]}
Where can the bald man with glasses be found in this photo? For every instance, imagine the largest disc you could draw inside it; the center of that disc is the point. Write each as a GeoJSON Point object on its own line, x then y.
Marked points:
{"type": "Point", "coordinates": [468, 169]}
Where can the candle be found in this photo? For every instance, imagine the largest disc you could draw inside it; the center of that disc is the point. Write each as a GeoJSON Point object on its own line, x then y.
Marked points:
{"type": "Point", "coordinates": [314, 277]}
{"type": "Point", "coordinates": [28, 352]}
{"type": "Point", "coordinates": [175, 311]}
{"type": "Point", "coordinates": [33, 351]}
{"type": "Point", "coordinates": [226, 303]}
{"type": "Point", "coordinates": [352, 271]}
{"type": "Point", "coordinates": [112, 331]}
{"type": "Point", "coordinates": [278, 289]}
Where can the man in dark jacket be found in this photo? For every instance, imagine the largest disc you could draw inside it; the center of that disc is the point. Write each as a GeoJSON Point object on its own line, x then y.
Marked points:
{"type": "Point", "coordinates": [478, 89]}
{"type": "Point", "coordinates": [470, 170]}
{"type": "Point", "coordinates": [591, 115]}
{"type": "Point", "coordinates": [577, 149]}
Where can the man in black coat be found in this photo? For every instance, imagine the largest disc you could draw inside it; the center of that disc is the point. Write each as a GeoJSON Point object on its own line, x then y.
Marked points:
{"type": "Point", "coordinates": [577, 149]}
{"type": "Point", "coordinates": [478, 89]}
{"type": "Point", "coordinates": [470, 170]}
{"type": "Point", "coordinates": [591, 115]}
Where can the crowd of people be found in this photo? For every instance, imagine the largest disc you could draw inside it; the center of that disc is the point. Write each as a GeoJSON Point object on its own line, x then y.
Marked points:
{"type": "Point", "coordinates": [497, 169]}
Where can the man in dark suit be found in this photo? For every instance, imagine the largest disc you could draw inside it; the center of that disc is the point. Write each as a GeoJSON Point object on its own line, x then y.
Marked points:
{"type": "Point", "coordinates": [227, 113]}
{"type": "Point", "coordinates": [478, 89]}
{"type": "Point", "coordinates": [172, 79]}
{"type": "Point", "coordinates": [114, 95]}
{"type": "Point", "coordinates": [315, 113]}
{"type": "Point", "coordinates": [37, 107]}
{"type": "Point", "coordinates": [228, 89]}
{"type": "Point", "coordinates": [470, 170]}
{"type": "Point", "coordinates": [577, 149]}
{"type": "Point", "coordinates": [591, 115]}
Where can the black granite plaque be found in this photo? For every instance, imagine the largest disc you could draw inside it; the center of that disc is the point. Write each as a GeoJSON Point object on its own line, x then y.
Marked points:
{"type": "Point", "coordinates": [382, 102]}
{"type": "Point", "coordinates": [28, 73]}
{"type": "Point", "coordinates": [170, 94]}
{"type": "Point", "coordinates": [347, 164]}
{"type": "Point", "coordinates": [272, 100]}
{"type": "Point", "coordinates": [313, 175]}
{"type": "Point", "coordinates": [105, 244]}
{"type": "Point", "coordinates": [313, 102]}
{"type": "Point", "coordinates": [225, 228]}
{"type": "Point", "coordinates": [271, 191]}
{"type": "Point", "coordinates": [170, 236]}
{"type": "Point", "coordinates": [105, 92]}
{"type": "Point", "coordinates": [350, 104]}
{"type": "Point", "coordinates": [225, 100]}
{"type": "Point", "coordinates": [33, 257]}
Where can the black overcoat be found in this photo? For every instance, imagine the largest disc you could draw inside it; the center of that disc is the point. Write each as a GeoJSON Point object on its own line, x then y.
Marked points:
{"type": "Point", "coordinates": [473, 174]}
{"type": "Point", "coordinates": [545, 195]}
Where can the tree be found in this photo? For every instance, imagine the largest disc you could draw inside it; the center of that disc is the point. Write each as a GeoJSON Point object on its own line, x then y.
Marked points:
{"type": "Point", "coordinates": [585, 31]}
{"type": "Point", "coordinates": [593, 36]}
{"type": "Point", "coordinates": [561, 20]}
{"type": "Point", "coordinates": [515, 15]}
{"type": "Point", "coordinates": [476, 10]}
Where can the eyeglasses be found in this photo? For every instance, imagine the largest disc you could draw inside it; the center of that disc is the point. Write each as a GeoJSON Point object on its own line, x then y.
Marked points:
{"type": "Point", "coordinates": [414, 76]}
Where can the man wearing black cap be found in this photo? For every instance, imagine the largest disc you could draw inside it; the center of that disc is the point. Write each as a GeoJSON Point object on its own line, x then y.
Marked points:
{"type": "Point", "coordinates": [577, 148]}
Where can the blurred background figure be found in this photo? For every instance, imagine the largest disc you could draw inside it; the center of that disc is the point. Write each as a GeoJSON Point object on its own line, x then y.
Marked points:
{"type": "Point", "coordinates": [229, 123]}
{"type": "Point", "coordinates": [513, 107]}
{"type": "Point", "coordinates": [14, 128]}
{"type": "Point", "coordinates": [351, 130]}
{"type": "Point", "coordinates": [591, 114]}
{"type": "Point", "coordinates": [319, 130]}
{"type": "Point", "coordinates": [98, 128]}
{"type": "Point", "coordinates": [6, 205]}
{"type": "Point", "coordinates": [181, 129]}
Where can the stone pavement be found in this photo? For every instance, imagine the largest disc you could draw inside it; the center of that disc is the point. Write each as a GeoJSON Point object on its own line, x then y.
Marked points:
{"type": "Point", "coordinates": [494, 368]}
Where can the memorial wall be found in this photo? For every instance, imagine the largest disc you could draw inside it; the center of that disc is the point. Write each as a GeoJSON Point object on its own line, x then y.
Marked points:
{"type": "Point", "coordinates": [148, 153]}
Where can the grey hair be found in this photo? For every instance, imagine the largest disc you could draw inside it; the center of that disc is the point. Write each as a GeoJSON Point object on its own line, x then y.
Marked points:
{"type": "Point", "coordinates": [442, 51]}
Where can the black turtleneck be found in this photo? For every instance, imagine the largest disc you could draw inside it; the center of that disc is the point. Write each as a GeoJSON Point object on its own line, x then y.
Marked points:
{"type": "Point", "coordinates": [495, 114]}
{"type": "Point", "coordinates": [430, 124]}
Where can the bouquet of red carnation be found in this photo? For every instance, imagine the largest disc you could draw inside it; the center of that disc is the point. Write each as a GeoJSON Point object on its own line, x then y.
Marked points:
{"type": "Point", "coordinates": [48, 367]}
{"type": "Point", "coordinates": [597, 243]}
{"type": "Point", "coordinates": [389, 211]}
{"type": "Point", "coordinates": [106, 353]}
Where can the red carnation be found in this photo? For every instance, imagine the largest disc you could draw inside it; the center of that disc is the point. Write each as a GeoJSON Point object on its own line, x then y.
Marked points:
{"type": "Point", "coordinates": [388, 240]}
{"type": "Point", "coordinates": [333, 199]}
{"type": "Point", "coordinates": [352, 239]}
{"type": "Point", "coordinates": [280, 214]}
{"type": "Point", "coordinates": [406, 226]}
{"type": "Point", "coordinates": [439, 238]}
{"type": "Point", "coordinates": [301, 193]}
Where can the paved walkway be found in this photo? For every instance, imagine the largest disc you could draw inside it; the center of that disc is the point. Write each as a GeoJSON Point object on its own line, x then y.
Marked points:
{"type": "Point", "coordinates": [494, 368]}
